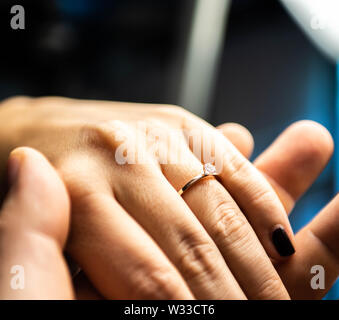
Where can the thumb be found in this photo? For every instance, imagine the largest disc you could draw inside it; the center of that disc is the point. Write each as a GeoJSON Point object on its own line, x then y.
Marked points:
{"type": "Point", "coordinates": [34, 224]}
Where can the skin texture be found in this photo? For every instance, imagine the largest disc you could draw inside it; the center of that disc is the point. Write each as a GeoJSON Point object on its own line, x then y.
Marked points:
{"type": "Point", "coordinates": [34, 223]}
{"type": "Point", "coordinates": [188, 243]}
{"type": "Point", "coordinates": [291, 168]}
{"type": "Point", "coordinates": [199, 245]}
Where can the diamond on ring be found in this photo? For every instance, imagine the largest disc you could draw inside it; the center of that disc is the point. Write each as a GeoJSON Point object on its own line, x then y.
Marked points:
{"type": "Point", "coordinates": [209, 169]}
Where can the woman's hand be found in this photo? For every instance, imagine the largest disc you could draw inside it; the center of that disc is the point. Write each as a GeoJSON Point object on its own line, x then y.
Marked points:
{"type": "Point", "coordinates": [132, 234]}
{"type": "Point", "coordinates": [291, 164]}
{"type": "Point", "coordinates": [34, 219]}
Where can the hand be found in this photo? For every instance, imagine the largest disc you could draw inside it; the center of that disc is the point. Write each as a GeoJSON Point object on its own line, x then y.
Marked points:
{"type": "Point", "coordinates": [36, 172]}
{"type": "Point", "coordinates": [291, 164]}
{"type": "Point", "coordinates": [132, 234]}
{"type": "Point", "coordinates": [34, 223]}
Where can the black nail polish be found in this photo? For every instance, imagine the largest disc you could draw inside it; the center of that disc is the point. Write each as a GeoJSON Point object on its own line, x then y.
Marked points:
{"type": "Point", "coordinates": [282, 242]}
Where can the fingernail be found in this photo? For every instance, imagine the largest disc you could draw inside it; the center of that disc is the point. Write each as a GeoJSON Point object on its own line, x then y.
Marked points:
{"type": "Point", "coordinates": [282, 242]}
{"type": "Point", "coordinates": [13, 167]}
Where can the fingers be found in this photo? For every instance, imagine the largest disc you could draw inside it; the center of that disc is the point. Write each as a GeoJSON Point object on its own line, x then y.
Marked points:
{"type": "Point", "coordinates": [317, 245]}
{"type": "Point", "coordinates": [239, 136]}
{"type": "Point", "coordinates": [251, 191]}
{"type": "Point", "coordinates": [33, 229]}
{"type": "Point", "coordinates": [291, 168]}
{"type": "Point", "coordinates": [295, 159]}
{"type": "Point", "coordinates": [229, 229]}
{"type": "Point", "coordinates": [119, 258]}
{"type": "Point", "coordinates": [156, 205]}
{"type": "Point", "coordinates": [291, 164]}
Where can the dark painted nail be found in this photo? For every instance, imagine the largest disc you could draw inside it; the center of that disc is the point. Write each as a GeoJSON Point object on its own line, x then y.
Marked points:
{"type": "Point", "coordinates": [282, 242]}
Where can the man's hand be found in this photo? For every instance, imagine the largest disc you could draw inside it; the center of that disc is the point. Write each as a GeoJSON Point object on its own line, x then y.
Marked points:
{"type": "Point", "coordinates": [34, 223]}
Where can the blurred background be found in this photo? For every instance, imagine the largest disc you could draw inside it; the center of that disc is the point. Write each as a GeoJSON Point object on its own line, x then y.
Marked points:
{"type": "Point", "coordinates": [244, 61]}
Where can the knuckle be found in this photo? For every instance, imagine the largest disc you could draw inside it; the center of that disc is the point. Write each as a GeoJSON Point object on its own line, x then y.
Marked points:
{"type": "Point", "coordinates": [257, 189]}
{"type": "Point", "coordinates": [94, 135]}
{"type": "Point", "coordinates": [110, 134]}
{"type": "Point", "coordinates": [264, 198]}
{"type": "Point", "coordinates": [156, 283]}
{"type": "Point", "coordinates": [272, 288]}
{"type": "Point", "coordinates": [17, 101]}
{"type": "Point", "coordinates": [197, 257]}
{"type": "Point", "coordinates": [238, 165]}
{"type": "Point", "coordinates": [173, 110]}
{"type": "Point", "coordinates": [231, 226]}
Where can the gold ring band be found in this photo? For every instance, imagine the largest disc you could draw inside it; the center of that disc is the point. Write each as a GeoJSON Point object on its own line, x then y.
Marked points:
{"type": "Point", "coordinates": [209, 170]}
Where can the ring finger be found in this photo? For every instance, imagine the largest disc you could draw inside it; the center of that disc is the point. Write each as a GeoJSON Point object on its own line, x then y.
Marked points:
{"type": "Point", "coordinates": [154, 203]}
{"type": "Point", "coordinates": [228, 227]}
